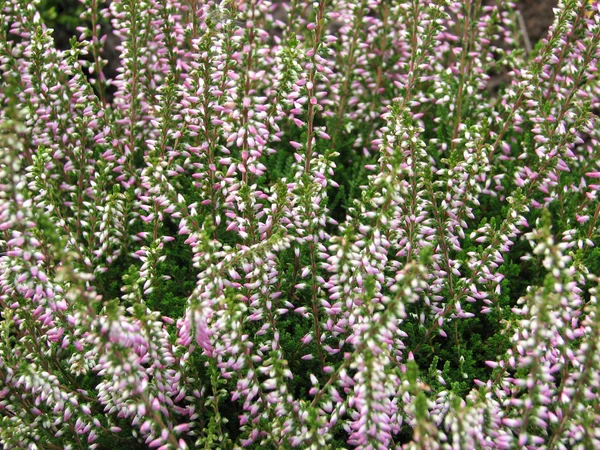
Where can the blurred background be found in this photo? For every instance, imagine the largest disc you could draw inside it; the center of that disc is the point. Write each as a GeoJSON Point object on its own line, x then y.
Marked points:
{"type": "Point", "coordinates": [538, 16]}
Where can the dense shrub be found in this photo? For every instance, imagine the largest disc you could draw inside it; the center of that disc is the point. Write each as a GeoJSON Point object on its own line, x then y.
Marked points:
{"type": "Point", "coordinates": [295, 224]}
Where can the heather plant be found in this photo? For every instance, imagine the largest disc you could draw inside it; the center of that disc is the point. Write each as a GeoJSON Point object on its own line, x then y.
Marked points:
{"type": "Point", "coordinates": [300, 225]}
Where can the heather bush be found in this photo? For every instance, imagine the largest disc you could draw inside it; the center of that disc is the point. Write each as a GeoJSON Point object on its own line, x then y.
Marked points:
{"type": "Point", "coordinates": [300, 225]}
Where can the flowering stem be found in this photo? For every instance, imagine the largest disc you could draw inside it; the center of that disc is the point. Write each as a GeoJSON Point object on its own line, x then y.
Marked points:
{"type": "Point", "coordinates": [467, 39]}
{"type": "Point", "coordinates": [96, 53]}
{"type": "Point", "coordinates": [311, 86]}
